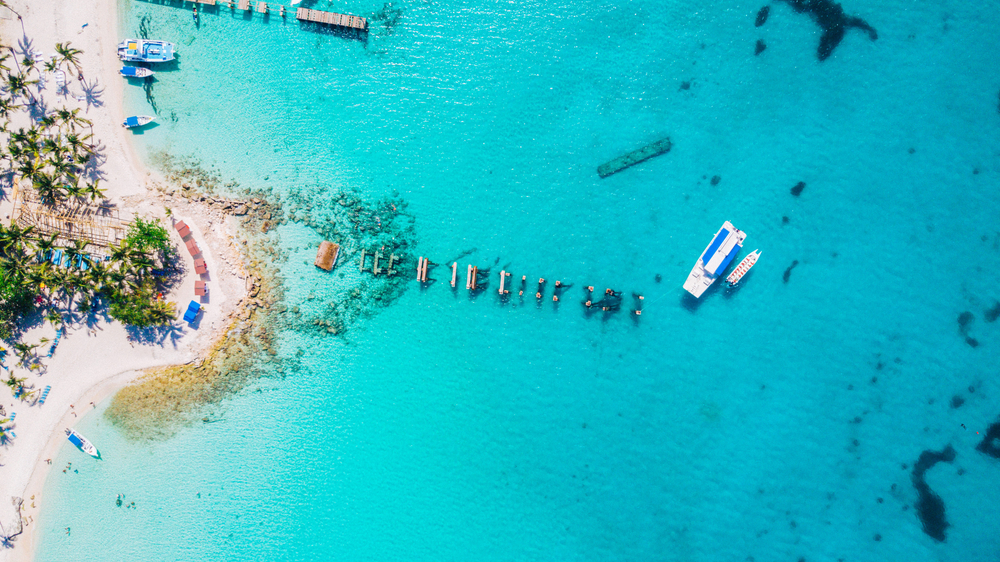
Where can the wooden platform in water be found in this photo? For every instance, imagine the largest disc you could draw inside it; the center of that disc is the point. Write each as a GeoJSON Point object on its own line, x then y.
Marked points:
{"type": "Point", "coordinates": [326, 257]}
{"type": "Point", "coordinates": [244, 5]}
{"type": "Point", "coordinates": [659, 147]}
{"type": "Point", "coordinates": [332, 18]}
{"type": "Point", "coordinates": [209, 2]}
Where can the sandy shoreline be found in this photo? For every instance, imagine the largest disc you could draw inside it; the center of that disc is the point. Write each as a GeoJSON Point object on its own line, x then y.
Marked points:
{"type": "Point", "coordinates": [93, 362]}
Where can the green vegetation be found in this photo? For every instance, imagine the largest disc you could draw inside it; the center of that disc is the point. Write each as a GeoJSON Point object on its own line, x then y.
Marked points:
{"type": "Point", "coordinates": [129, 279]}
{"type": "Point", "coordinates": [53, 276]}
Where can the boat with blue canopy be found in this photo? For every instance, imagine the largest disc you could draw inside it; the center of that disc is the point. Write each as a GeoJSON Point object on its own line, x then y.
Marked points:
{"type": "Point", "coordinates": [82, 443]}
{"type": "Point", "coordinates": [726, 243]}
{"type": "Point", "coordinates": [135, 72]}
{"type": "Point", "coordinates": [145, 50]}
{"type": "Point", "coordinates": [137, 121]}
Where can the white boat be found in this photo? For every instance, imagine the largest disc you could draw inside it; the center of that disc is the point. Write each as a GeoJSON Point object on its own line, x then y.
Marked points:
{"type": "Point", "coordinates": [743, 268]}
{"type": "Point", "coordinates": [713, 262]}
{"type": "Point", "coordinates": [135, 72]}
{"type": "Point", "coordinates": [82, 443]}
{"type": "Point", "coordinates": [137, 121]}
{"type": "Point", "coordinates": [145, 50]}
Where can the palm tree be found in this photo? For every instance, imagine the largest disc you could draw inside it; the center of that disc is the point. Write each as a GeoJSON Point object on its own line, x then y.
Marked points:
{"type": "Point", "coordinates": [93, 191]}
{"type": "Point", "coordinates": [5, 107]}
{"type": "Point", "coordinates": [69, 56]}
{"type": "Point", "coordinates": [78, 250]}
{"type": "Point", "coordinates": [17, 85]}
{"type": "Point", "coordinates": [54, 317]}
{"type": "Point", "coordinates": [76, 191]}
{"type": "Point", "coordinates": [47, 187]}
{"type": "Point", "coordinates": [15, 237]}
{"type": "Point", "coordinates": [97, 275]}
{"type": "Point", "coordinates": [71, 117]}
{"type": "Point", "coordinates": [76, 144]}
{"type": "Point", "coordinates": [24, 352]}
{"type": "Point", "coordinates": [120, 253]}
{"type": "Point", "coordinates": [46, 245]}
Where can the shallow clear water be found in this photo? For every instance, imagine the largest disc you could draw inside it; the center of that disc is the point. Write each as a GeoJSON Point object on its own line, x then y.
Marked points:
{"type": "Point", "coordinates": [450, 428]}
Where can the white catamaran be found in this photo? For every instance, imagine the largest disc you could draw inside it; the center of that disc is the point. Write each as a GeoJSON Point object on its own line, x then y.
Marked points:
{"type": "Point", "coordinates": [713, 262]}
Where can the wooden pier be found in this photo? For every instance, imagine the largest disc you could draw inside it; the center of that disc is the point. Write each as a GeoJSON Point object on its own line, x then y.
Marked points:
{"type": "Point", "coordinates": [302, 14]}
{"type": "Point", "coordinates": [332, 18]}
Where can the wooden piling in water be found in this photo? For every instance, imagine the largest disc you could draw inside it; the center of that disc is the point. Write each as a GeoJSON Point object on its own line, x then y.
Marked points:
{"type": "Point", "coordinates": [454, 273]}
{"type": "Point", "coordinates": [375, 268]}
{"type": "Point", "coordinates": [362, 261]}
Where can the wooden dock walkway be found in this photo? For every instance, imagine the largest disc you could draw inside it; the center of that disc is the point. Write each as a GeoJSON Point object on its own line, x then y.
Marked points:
{"type": "Point", "coordinates": [302, 14]}
{"type": "Point", "coordinates": [332, 18]}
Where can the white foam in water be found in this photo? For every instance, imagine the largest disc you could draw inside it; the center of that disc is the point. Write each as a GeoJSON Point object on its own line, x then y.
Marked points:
{"type": "Point", "coordinates": [766, 422]}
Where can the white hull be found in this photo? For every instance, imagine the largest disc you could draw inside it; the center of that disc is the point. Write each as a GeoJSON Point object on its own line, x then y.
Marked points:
{"type": "Point", "coordinates": [82, 443]}
{"type": "Point", "coordinates": [715, 258]}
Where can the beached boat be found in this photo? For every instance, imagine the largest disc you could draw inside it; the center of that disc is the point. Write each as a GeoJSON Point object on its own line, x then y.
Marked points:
{"type": "Point", "coordinates": [137, 121]}
{"type": "Point", "coordinates": [145, 50]}
{"type": "Point", "coordinates": [82, 443]}
{"type": "Point", "coordinates": [135, 72]}
{"type": "Point", "coordinates": [743, 268]}
{"type": "Point", "coordinates": [713, 262]}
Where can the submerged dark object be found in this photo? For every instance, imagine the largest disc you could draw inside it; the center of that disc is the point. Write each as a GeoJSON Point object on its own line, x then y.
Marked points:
{"type": "Point", "coordinates": [797, 189]}
{"type": "Point", "coordinates": [992, 314]}
{"type": "Point", "coordinates": [762, 16]}
{"type": "Point", "coordinates": [761, 45]}
{"type": "Point", "coordinates": [659, 147]}
{"type": "Point", "coordinates": [930, 506]}
{"type": "Point", "coordinates": [716, 180]}
{"type": "Point", "coordinates": [788, 272]}
{"type": "Point", "coordinates": [830, 17]}
{"type": "Point", "coordinates": [990, 444]}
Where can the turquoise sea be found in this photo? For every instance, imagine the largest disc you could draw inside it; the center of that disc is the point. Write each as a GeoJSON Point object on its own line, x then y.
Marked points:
{"type": "Point", "coordinates": [780, 421]}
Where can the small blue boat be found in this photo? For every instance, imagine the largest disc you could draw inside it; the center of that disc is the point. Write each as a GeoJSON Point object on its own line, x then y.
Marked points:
{"type": "Point", "coordinates": [137, 121]}
{"type": "Point", "coordinates": [136, 72]}
{"type": "Point", "coordinates": [145, 50]}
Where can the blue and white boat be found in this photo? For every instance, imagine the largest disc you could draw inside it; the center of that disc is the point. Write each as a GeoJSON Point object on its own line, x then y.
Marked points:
{"type": "Point", "coordinates": [137, 121]}
{"type": "Point", "coordinates": [728, 242]}
{"type": "Point", "coordinates": [135, 72]}
{"type": "Point", "coordinates": [145, 50]}
{"type": "Point", "coordinates": [82, 443]}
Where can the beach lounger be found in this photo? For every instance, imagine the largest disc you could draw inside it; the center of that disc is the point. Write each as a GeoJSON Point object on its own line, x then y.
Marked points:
{"type": "Point", "coordinates": [44, 396]}
{"type": "Point", "coordinates": [192, 311]}
{"type": "Point", "coordinates": [57, 257]}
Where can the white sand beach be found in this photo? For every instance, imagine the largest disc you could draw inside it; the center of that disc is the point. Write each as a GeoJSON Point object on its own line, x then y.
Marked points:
{"type": "Point", "coordinates": [92, 362]}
